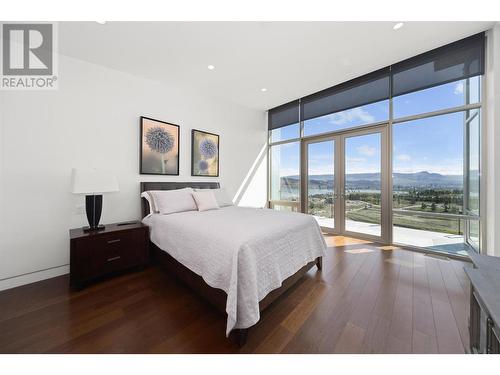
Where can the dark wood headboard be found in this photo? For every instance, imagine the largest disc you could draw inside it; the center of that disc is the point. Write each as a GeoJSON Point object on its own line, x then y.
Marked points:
{"type": "Point", "coordinates": [145, 186]}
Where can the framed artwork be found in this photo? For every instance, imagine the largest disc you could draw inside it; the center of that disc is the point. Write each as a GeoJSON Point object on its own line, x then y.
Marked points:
{"type": "Point", "coordinates": [159, 147]}
{"type": "Point", "coordinates": [204, 154]}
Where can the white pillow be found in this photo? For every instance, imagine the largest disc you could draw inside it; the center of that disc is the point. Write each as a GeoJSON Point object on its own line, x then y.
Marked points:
{"type": "Point", "coordinates": [205, 200]}
{"type": "Point", "coordinates": [171, 201]}
{"type": "Point", "coordinates": [221, 196]}
{"type": "Point", "coordinates": [147, 195]}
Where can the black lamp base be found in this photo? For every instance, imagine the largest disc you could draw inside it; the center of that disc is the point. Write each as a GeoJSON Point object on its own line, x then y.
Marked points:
{"type": "Point", "coordinates": [93, 208]}
{"type": "Point", "coordinates": [89, 229]}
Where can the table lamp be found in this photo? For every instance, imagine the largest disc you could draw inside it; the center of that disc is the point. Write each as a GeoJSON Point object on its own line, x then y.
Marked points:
{"type": "Point", "coordinates": [92, 183]}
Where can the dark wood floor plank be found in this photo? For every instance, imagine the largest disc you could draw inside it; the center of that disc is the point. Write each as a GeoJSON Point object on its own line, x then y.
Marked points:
{"type": "Point", "coordinates": [423, 343]}
{"type": "Point", "coordinates": [42, 329]}
{"type": "Point", "coordinates": [423, 317]}
{"type": "Point", "coordinates": [459, 300]}
{"type": "Point", "coordinates": [351, 340]}
{"type": "Point", "coordinates": [376, 334]}
{"type": "Point", "coordinates": [400, 330]}
{"type": "Point", "coordinates": [310, 336]}
{"type": "Point", "coordinates": [367, 299]}
{"type": "Point", "coordinates": [34, 297]}
{"type": "Point", "coordinates": [362, 312]}
{"type": "Point", "coordinates": [338, 326]}
{"type": "Point", "coordinates": [276, 314]}
{"type": "Point", "coordinates": [275, 342]}
{"type": "Point", "coordinates": [447, 332]}
{"type": "Point", "coordinates": [386, 297]}
{"type": "Point", "coordinates": [377, 330]}
{"type": "Point", "coordinates": [294, 321]}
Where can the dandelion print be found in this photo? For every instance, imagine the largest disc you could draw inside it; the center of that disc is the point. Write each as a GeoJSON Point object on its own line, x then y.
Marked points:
{"type": "Point", "coordinates": [208, 148]}
{"type": "Point", "coordinates": [159, 140]}
{"type": "Point", "coordinates": [159, 147]}
{"type": "Point", "coordinates": [205, 154]}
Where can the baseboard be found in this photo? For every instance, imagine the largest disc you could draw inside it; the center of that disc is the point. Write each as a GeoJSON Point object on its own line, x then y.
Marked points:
{"type": "Point", "coordinates": [33, 277]}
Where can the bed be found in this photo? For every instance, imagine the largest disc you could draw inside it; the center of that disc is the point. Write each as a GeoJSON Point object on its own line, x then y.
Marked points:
{"type": "Point", "coordinates": [239, 259]}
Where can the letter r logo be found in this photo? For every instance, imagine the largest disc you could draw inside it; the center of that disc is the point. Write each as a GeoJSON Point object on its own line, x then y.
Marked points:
{"type": "Point", "coordinates": [27, 49]}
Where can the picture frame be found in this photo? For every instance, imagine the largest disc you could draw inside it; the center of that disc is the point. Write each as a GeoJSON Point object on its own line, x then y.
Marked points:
{"type": "Point", "coordinates": [204, 154]}
{"type": "Point", "coordinates": [159, 147]}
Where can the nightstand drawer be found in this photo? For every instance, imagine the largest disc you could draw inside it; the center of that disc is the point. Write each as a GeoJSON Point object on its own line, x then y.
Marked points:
{"type": "Point", "coordinates": [115, 251]}
{"type": "Point", "coordinates": [113, 241]}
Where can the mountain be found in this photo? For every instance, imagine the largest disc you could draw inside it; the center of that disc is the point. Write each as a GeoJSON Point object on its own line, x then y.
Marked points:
{"type": "Point", "coordinates": [372, 180]}
{"type": "Point", "coordinates": [426, 179]}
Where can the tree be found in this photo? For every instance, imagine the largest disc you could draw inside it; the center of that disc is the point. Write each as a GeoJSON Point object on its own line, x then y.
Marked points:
{"type": "Point", "coordinates": [424, 206]}
{"type": "Point", "coordinates": [433, 206]}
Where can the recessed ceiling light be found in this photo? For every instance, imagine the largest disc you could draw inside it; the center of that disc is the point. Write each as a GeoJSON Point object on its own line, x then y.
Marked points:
{"type": "Point", "coordinates": [398, 26]}
{"type": "Point", "coordinates": [263, 89]}
{"type": "Point", "coordinates": [211, 67]}
{"type": "Point", "coordinates": [101, 22]}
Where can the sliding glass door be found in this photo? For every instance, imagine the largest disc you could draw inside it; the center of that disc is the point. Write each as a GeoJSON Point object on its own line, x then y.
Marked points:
{"type": "Point", "coordinates": [345, 186]}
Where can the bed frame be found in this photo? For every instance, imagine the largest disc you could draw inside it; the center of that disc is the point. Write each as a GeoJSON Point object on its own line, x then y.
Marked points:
{"type": "Point", "coordinates": [217, 297]}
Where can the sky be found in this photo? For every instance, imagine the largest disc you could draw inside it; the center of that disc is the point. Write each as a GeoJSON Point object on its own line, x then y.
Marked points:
{"type": "Point", "coordinates": [433, 144]}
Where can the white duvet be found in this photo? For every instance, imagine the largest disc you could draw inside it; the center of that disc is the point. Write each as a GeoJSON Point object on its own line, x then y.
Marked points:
{"type": "Point", "coordinates": [247, 252]}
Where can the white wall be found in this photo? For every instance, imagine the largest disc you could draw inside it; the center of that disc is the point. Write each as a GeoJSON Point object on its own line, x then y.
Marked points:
{"type": "Point", "coordinates": [92, 120]}
{"type": "Point", "coordinates": [491, 156]}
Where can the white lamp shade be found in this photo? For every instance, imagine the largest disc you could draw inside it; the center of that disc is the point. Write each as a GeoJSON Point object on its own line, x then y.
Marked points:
{"type": "Point", "coordinates": [92, 181]}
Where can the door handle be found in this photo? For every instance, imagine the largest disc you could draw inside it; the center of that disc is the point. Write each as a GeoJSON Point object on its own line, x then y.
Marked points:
{"type": "Point", "coordinates": [114, 241]}
{"type": "Point", "coordinates": [114, 258]}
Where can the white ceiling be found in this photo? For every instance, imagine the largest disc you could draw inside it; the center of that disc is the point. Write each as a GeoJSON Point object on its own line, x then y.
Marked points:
{"type": "Point", "coordinates": [290, 59]}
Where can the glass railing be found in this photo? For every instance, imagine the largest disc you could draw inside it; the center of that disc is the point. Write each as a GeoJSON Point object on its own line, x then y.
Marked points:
{"type": "Point", "coordinates": [444, 232]}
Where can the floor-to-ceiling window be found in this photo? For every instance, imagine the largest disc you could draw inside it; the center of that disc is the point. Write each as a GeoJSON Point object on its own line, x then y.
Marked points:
{"type": "Point", "coordinates": [430, 176]}
{"type": "Point", "coordinates": [285, 176]}
{"type": "Point", "coordinates": [321, 164]}
{"type": "Point", "coordinates": [284, 158]}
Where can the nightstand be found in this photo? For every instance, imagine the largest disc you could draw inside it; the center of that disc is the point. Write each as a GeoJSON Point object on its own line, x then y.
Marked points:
{"type": "Point", "coordinates": [118, 247]}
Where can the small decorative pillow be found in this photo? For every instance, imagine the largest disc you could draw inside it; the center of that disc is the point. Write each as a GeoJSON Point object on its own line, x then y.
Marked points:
{"type": "Point", "coordinates": [172, 201]}
{"type": "Point", "coordinates": [205, 200]}
{"type": "Point", "coordinates": [221, 196]}
{"type": "Point", "coordinates": [147, 195]}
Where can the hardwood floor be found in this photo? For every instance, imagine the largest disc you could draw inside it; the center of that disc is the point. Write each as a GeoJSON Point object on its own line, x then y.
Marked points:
{"type": "Point", "coordinates": [367, 299]}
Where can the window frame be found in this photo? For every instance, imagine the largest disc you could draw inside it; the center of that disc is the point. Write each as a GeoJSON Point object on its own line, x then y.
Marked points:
{"type": "Point", "coordinates": [389, 124]}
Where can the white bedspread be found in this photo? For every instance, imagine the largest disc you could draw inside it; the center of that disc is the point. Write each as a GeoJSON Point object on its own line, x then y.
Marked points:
{"type": "Point", "coordinates": [247, 252]}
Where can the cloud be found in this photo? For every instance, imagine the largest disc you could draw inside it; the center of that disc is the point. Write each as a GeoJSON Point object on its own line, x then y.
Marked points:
{"type": "Point", "coordinates": [363, 168]}
{"type": "Point", "coordinates": [355, 160]}
{"type": "Point", "coordinates": [320, 158]}
{"type": "Point", "coordinates": [351, 115]}
{"type": "Point", "coordinates": [366, 150]}
{"type": "Point", "coordinates": [459, 88]}
{"type": "Point", "coordinates": [403, 157]}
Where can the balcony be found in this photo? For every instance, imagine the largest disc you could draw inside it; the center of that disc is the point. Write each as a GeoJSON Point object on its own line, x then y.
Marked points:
{"type": "Point", "coordinates": [440, 240]}
{"type": "Point", "coordinates": [433, 231]}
